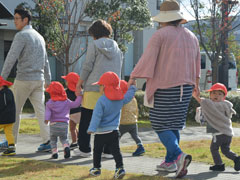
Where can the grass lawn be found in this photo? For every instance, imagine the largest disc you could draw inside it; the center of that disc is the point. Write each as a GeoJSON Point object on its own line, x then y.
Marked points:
{"type": "Point", "coordinates": [22, 169]}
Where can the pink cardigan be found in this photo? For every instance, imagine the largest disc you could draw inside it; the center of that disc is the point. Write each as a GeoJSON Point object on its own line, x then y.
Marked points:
{"type": "Point", "coordinates": [172, 58]}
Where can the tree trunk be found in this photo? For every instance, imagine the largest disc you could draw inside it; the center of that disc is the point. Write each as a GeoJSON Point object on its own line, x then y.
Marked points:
{"type": "Point", "coordinates": [215, 70]}
{"type": "Point", "coordinates": [67, 61]}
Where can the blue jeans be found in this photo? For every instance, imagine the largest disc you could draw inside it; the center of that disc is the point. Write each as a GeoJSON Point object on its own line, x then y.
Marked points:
{"type": "Point", "coordinates": [170, 139]}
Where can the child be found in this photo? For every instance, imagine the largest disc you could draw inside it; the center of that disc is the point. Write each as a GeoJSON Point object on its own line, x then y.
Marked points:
{"type": "Point", "coordinates": [75, 113]}
{"type": "Point", "coordinates": [128, 122]}
{"type": "Point", "coordinates": [217, 112]}
{"type": "Point", "coordinates": [7, 115]}
{"type": "Point", "coordinates": [105, 121]}
{"type": "Point", "coordinates": [57, 113]}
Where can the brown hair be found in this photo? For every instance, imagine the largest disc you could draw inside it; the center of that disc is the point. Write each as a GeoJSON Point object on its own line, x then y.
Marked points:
{"type": "Point", "coordinates": [100, 28]}
{"type": "Point", "coordinates": [175, 23]}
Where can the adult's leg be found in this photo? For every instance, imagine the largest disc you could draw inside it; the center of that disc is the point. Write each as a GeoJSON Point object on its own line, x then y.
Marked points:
{"type": "Point", "coordinates": [37, 99]}
{"type": "Point", "coordinates": [83, 137]}
{"type": "Point", "coordinates": [21, 92]}
{"type": "Point", "coordinates": [170, 141]}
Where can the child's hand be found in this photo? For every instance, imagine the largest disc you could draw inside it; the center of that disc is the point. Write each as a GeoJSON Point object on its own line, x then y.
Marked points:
{"type": "Point", "coordinates": [46, 122]}
{"type": "Point", "coordinates": [79, 92]}
{"type": "Point", "coordinates": [131, 81]}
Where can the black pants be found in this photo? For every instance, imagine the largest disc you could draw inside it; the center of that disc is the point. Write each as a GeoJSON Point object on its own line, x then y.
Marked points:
{"type": "Point", "coordinates": [112, 141]}
{"type": "Point", "coordinates": [83, 137]}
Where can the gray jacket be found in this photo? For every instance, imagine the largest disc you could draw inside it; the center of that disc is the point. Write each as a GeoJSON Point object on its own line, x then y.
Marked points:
{"type": "Point", "coordinates": [29, 49]}
{"type": "Point", "coordinates": [102, 55]}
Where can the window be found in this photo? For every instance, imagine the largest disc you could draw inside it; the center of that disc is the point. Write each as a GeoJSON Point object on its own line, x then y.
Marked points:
{"type": "Point", "coordinates": [203, 61]}
{"type": "Point", "coordinates": [158, 4]}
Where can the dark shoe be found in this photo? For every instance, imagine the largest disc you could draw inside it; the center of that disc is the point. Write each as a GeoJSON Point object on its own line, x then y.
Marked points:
{"type": "Point", "coordinates": [45, 147]}
{"type": "Point", "coordinates": [237, 163]}
{"type": "Point", "coordinates": [217, 167]}
{"type": "Point", "coordinates": [73, 146]}
{"type": "Point", "coordinates": [139, 151]}
{"type": "Point", "coordinates": [95, 171]}
{"type": "Point", "coordinates": [67, 152]}
{"type": "Point", "coordinates": [10, 151]}
{"type": "Point", "coordinates": [119, 173]}
{"type": "Point", "coordinates": [55, 156]}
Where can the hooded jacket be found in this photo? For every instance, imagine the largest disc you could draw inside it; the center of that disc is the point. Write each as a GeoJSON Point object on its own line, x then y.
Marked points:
{"type": "Point", "coordinates": [7, 106]}
{"type": "Point", "coordinates": [102, 55]}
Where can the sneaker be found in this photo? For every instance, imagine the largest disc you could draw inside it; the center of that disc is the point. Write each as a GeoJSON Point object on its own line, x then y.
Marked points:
{"type": "Point", "coordinates": [54, 156]}
{"type": "Point", "coordinates": [67, 152]}
{"type": "Point", "coordinates": [95, 171]}
{"type": "Point", "coordinates": [183, 162]}
{"type": "Point", "coordinates": [169, 167]}
{"type": "Point", "coordinates": [237, 163]}
{"type": "Point", "coordinates": [10, 151]}
{"type": "Point", "coordinates": [139, 151]}
{"type": "Point", "coordinates": [4, 145]}
{"type": "Point", "coordinates": [73, 146]}
{"type": "Point", "coordinates": [45, 147]}
{"type": "Point", "coordinates": [107, 156]}
{"type": "Point", "coordinates": [217, 167]}
{"type": "Point", "coordinates": [119, 173]}
{"type": "Point", "coordinates": [77, 152]}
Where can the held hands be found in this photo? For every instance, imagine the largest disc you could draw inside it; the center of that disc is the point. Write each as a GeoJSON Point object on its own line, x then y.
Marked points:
{"type": "Point", "coordinates": [46, 122]}
{"type": "Point", "coordinates": [131, 81]}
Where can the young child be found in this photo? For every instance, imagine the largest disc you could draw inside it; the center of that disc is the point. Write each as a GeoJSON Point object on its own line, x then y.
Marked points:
{"type": "Point", "coordinates": [7, 115]}
{"type": "Point", "coordinates": [57, 113]}
{"type": "Point", "coordinates": [75, 113]}
{"type": "Point", "coordinates": [128, 122]}
{"type": "Point", "coordinates": [105, 121]}
{"type": "Point", "coordinates": [217, 112]}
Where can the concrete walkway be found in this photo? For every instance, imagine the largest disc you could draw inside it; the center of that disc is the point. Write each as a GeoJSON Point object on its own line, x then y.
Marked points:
{"type": "Point", "coordinates": [28, 144]}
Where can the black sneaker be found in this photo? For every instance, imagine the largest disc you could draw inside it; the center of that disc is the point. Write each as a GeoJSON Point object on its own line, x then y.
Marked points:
{"type": "Point", "coordinates": [237, 163]}
{"type": "Point", "coordinates": [119, 173]}
{"type": "Point", "coordinates": [55, 156]}
{"type": "Point", "coordinates": [10, 151]}
{"type": "Point", "coordinates": [95, 171]}
{"type": "Point", "coordinates": [73, 146]}
{"type": "Point", "coordinates": [217, 167]}
{"type": "Point", "coordinates": [67, 152]}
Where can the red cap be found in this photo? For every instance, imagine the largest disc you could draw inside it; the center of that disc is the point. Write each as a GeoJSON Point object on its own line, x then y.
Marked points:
{"type": "Point", "coordinates": [72, 79]}
{"type": "Point", "coordinates": [219, 87]}
{"type": "Point", "coordinates": [124, 86]}
{"type": "Point", "coordinates": [56, 91]}
{"type": "Point", "coordinates": [110, 81]}
{"type": "Point", "coordinates": [4, 82]}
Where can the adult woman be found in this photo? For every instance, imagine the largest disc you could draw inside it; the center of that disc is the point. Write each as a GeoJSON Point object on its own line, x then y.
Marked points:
{"type": "Point", "coordinates": [171, 65]}
{"type": "Point", "coordinates": [103, 55]}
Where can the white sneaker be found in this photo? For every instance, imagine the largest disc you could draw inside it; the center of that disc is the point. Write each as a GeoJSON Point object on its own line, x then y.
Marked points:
{"type": "Point", "coordinates": [107, 156]}
{"type": "Point", "coordinates": [169, 167]}
{"type": "Point", "coordinates": [183, 162]}
{"type": "Point", "coordinates": [77, 152]}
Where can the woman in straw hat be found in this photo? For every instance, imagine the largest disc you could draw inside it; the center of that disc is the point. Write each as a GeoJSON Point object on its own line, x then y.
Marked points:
{"type": "Point", "coordinates": [171, 65]}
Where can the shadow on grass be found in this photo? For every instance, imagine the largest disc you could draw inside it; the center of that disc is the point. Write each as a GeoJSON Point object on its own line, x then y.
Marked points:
{"type": "Point", "coordinates": [208, 175]}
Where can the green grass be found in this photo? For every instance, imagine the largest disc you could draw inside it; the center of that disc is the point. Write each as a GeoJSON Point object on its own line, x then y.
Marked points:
{"type": "Point", "coordinates": [200, 150]}
{"type": "Point", "coordinates": [22, 169]}
{"type": "Point", "coordinates": [29, 126]}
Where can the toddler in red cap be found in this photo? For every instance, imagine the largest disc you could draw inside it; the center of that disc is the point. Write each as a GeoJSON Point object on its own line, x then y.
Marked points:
{"type": "Point", "coordinates": [75, 113]}
{"type": "Point", "coordinates": [105, 121]}
{"type": "Point", "coordinates": [7, 116]}
{"type": "Point", "coordinates": [217, 112]}
{"type": "Point", "coordinates": [57, 113]}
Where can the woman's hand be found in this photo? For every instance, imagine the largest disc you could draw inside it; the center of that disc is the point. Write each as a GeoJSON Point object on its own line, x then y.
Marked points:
{"type": "Point", "coordinates": [131, 81]}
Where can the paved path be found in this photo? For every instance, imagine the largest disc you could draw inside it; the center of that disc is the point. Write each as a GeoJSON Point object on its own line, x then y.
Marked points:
{"type": "Point", "coordinates": [197, 171]}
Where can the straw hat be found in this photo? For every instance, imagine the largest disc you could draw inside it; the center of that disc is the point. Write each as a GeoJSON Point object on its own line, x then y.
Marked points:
{"type": "Point", "coordinates": [169, 11]}
{"type": "Point", "coordinates": [112, 89]}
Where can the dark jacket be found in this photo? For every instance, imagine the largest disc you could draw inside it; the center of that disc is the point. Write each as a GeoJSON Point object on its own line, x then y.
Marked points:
{"type": "Point", "coordinates": [71, 95]}
{"type": "Point", "coordinates": [7, 106]}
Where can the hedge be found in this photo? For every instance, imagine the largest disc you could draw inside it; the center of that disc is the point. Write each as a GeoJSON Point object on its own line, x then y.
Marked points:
{"type": "Point", "coordinates": [232, 97]}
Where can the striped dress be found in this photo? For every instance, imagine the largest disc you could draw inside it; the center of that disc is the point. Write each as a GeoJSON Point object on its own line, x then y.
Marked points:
{"type": "Point", "coordinates": [170, 108]}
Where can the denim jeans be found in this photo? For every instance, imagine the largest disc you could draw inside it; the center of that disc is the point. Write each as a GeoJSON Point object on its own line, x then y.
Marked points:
{"type": "Point", "coordinates": [170, 139]}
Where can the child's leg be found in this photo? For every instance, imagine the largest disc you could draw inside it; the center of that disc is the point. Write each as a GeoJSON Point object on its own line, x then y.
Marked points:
{"type": "Point", "coordinates": [122, 130]}
{"type": "Point", "coordinates": [99, 142]}
{"type": "Point", "coordinates": [115, 149]}
{"type": "Point", "coordinates": [133, 130]}
{"type": "Point", "coordinates": [63, 134]}
{"type": "Point", "coordinates": [215, 144]}
{"type": "Point", "coordinates": [73, 130]}
{"type": "Point", "coordinates": [53, 137]}
{"type": "Point", "coordinates": [225, 146]}
{"type": "Point", "coordinates": [8, 130]}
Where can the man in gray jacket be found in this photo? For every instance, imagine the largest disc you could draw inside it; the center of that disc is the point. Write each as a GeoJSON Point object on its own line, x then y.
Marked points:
{"type": "Point", "coordinates": [33, 72]}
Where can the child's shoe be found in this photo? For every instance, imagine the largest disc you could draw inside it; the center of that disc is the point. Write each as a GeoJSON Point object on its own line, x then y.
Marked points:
{"type": "Point", "coordinates": [67, 152]}
{"type": "Point", "coordinates": [169, 167]}
{"type": "Point", "coordinates": [139, 151]}
{"type": "Point", "coordinates": [54, 156]}
{"type": "Point", "coordinates": [95, 171]}
{"type": "Point", "coordinates": [4, 145]}
{"type": "Point", "coordinates": [237, 163]}
{"type": "Point", "coordinates": [119, 173]}
{"type": "Point", "coordinates": [217, 167]}
{"type": "Point", "coordinates": [10, 151]}
{"type": "Point", "coordinates": [45, 147]}
{"type": "Point", "coordinates": [73, 146]}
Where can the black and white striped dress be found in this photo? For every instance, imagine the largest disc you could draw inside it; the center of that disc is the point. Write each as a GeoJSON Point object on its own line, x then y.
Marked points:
{"type": "Point", "coordinates": [170, 108]}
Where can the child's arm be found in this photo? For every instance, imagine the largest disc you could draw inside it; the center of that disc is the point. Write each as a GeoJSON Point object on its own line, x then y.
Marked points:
{"type": "Point", "coordinates": [196, 95]}
{"type": "Point", "coordinates": [96, 117]}
{"type": "Point", "coordinates": [129, 94]}
{"type": "Point", "coordinates": [76, 103]}
{"type": "Point", "coordinates": [47, 114]}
